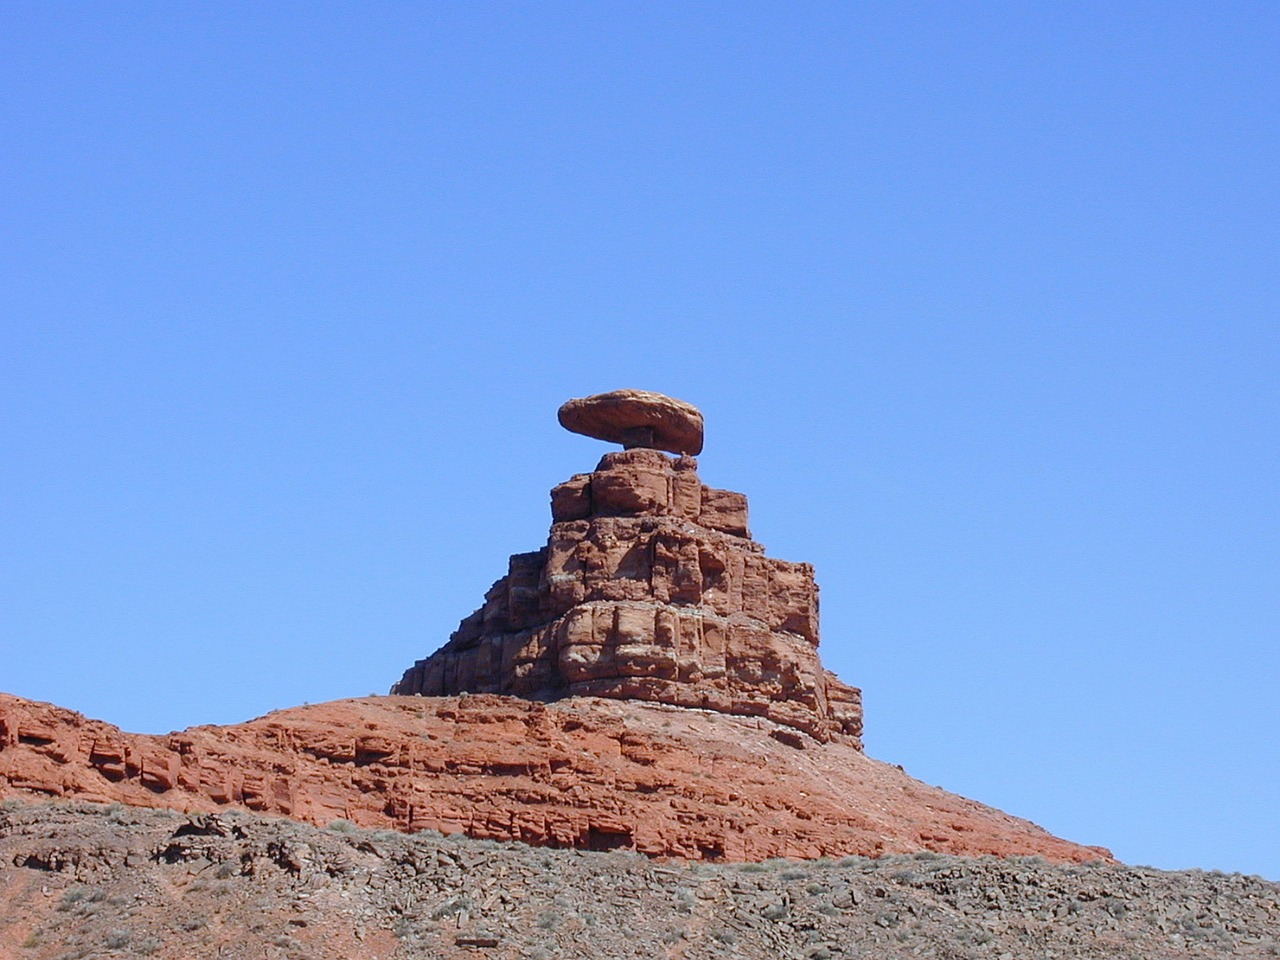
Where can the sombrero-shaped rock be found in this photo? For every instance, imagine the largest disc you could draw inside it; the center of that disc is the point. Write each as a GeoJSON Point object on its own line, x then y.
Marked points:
{"type": "Point", "coordinates": [636, 418]}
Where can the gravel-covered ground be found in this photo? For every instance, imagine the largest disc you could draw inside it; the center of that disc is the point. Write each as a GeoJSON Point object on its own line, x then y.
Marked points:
{"type": "Point", "coordinates": [82, 880]}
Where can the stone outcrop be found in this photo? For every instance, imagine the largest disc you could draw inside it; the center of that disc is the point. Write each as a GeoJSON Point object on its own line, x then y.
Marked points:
{"type": "Point", "coordinates": [650, 588]}
{"type": "Point", "coordinates": [581, 772]}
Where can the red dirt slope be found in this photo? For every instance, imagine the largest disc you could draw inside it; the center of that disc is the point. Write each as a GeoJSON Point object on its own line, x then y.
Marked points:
{"type": "Point", "coordinates": [581, 772]}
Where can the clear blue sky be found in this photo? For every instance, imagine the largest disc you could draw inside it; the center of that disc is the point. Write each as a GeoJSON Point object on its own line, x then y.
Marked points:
{"type": "Point", "coordinates": [981, 302]}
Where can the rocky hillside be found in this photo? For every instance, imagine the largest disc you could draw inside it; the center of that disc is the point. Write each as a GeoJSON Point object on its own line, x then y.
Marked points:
{"type": "Point", "coordinates": [581, 772]}
{"type": "Point", "coordinates": [80, 880]}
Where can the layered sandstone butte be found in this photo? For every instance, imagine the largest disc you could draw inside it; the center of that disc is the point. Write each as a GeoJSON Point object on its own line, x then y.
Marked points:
{"type": "Point", "coordinates": [650, 598]}
{"type": "Point", "coordinates": [650, 588]}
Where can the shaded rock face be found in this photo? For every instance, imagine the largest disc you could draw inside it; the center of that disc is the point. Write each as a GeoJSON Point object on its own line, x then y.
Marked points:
{"type": "Point", "coordinates": [650, 588]}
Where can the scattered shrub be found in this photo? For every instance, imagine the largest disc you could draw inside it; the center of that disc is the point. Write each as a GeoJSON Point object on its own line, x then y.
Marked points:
{"type": "Point", "coordinates": [451, 907]}
{"type": "Point", "coordinates": [117, 939]}
{"type": "Point", "coordinates": [685, 900]}
{"type": "Point", "coordinates": [774, 911]}
{"type": "Point", "coordinates": [71, 896]}
{"type": "Point", "coordinates": [1117, 908]}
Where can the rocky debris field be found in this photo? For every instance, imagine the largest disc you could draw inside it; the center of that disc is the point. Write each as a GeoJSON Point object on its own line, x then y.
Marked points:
{"type": "Point", "coordinates": [81, 880]}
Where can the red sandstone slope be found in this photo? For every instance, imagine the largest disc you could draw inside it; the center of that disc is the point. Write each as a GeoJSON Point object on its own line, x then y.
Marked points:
{"type": "Point", "coordinates": [581, 772]}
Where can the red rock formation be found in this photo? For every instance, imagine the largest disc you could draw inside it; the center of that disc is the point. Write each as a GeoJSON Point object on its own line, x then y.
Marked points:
{"type": "Point", "coordinates": [650, 588]}
{"type": "Point", "coordinates": [581, 772]}
{"type": "Point", "coordinates": [721, 735]}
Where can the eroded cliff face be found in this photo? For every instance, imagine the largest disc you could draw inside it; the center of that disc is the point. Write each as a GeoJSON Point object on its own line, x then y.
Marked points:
{"type": "Point", "coordinates": [650, 588]}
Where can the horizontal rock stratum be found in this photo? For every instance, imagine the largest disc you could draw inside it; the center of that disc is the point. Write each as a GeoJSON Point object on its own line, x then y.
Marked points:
{"type": "Point", "coordinates": [582, 772]}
